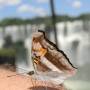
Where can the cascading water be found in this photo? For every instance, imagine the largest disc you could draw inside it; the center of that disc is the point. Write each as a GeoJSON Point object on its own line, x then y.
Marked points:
{"type": "Point", "coordinates": [74, 44]}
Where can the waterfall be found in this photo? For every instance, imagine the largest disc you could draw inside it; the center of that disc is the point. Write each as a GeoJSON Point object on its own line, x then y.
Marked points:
{"type": "Point", "coordinates": [74, 43]}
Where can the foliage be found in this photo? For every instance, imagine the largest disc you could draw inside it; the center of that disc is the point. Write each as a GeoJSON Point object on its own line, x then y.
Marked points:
{"type": "Point", "coordinates": [11, 21]}
{"type": "Point", "coordinates": [9, 45]}
{"type": "Point", "coordinates": [7, 52]}
{"type": "Point", "coordinates": [45, 20]}
{"type": "Point", "coordinates": [18, 45]}
{"type": "Point", "coordinates": [8, 42]}
{"type": "Point", "coordinates": [84, 17]}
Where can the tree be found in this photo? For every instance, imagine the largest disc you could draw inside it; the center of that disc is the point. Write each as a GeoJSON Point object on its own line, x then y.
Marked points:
{"type": "Point", "coordinates": [8, 42]}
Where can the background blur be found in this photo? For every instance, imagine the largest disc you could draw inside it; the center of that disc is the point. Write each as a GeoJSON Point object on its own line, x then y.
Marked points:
{"type": "Point", "coordinates": [67, 25]}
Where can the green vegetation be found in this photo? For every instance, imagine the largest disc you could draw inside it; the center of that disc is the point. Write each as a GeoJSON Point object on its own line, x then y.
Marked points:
{"type": "Point", "coordinates": [7, 52]}
{"type": "Point", "coordinates": [18, 45]}
{"type": "Point", "coordinates": [8, 42]}
{"type": "Point", "coordinates": [40, 20]}
{"type": "Point", "coordinates": [11, 48]}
